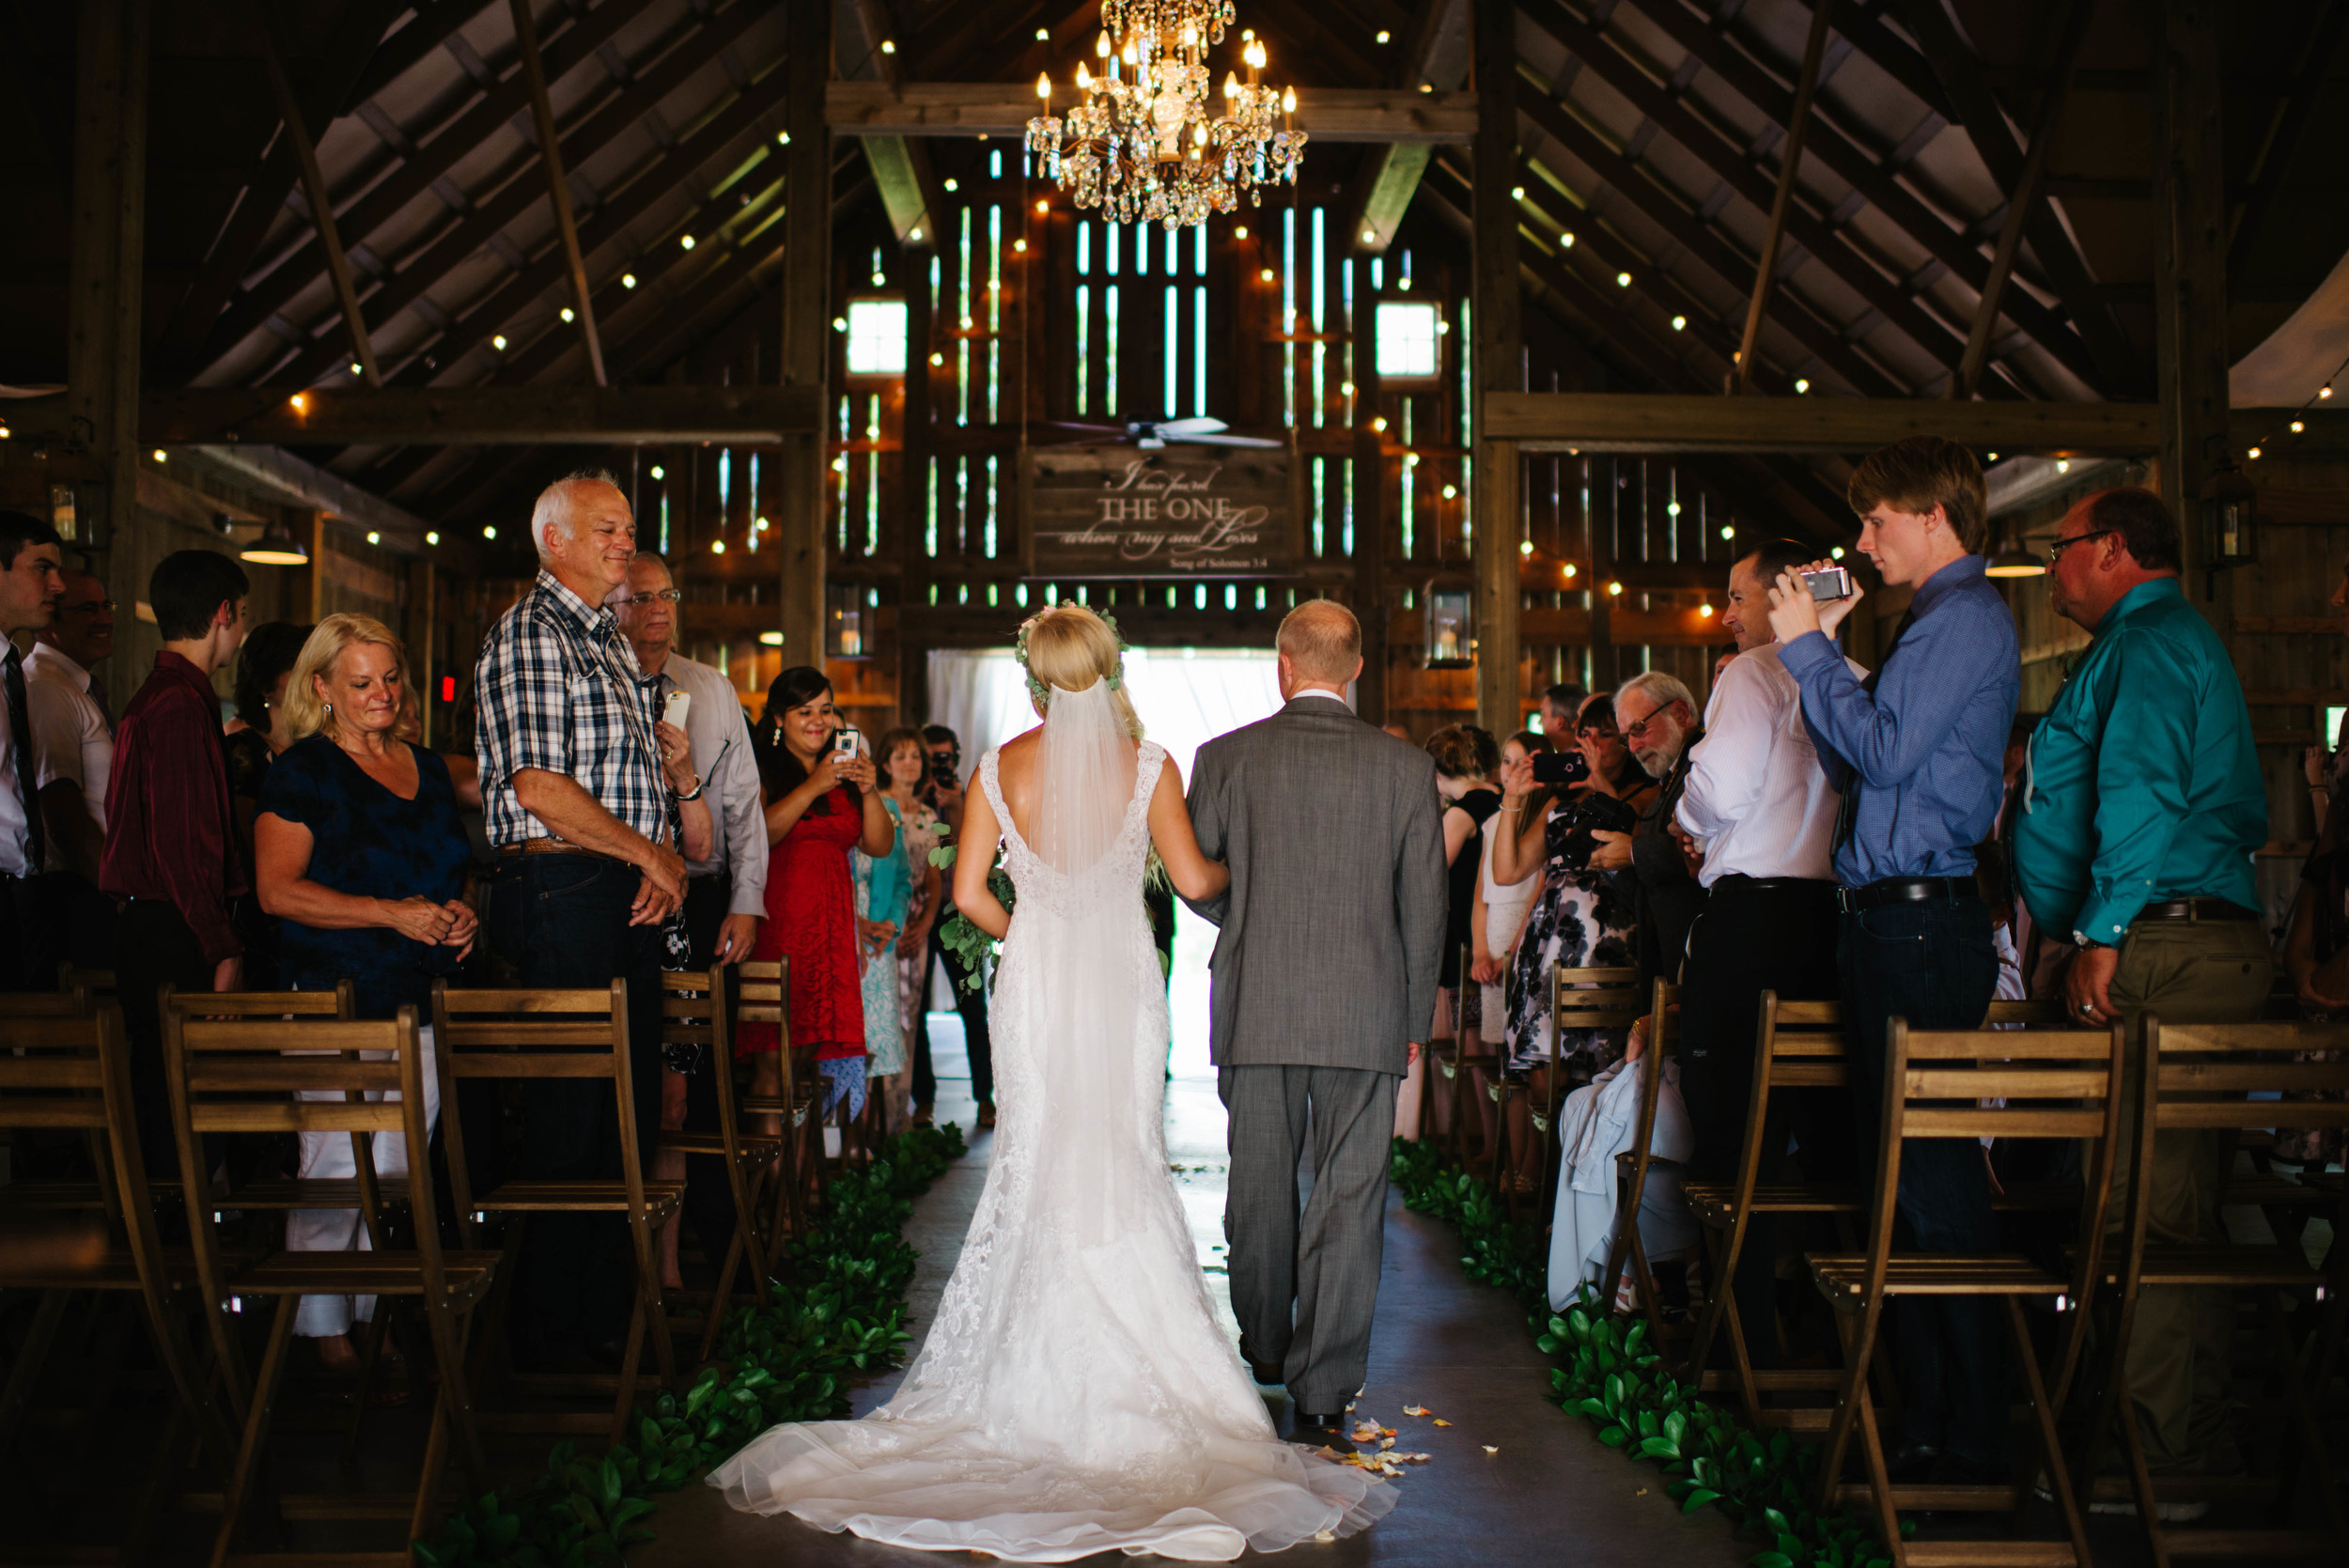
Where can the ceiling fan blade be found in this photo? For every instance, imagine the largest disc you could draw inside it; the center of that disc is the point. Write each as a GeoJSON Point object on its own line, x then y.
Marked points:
{"type": "Point", "coordinates": [1203, 439]}
{"type": "Point", "coordinates": [1198, 425]}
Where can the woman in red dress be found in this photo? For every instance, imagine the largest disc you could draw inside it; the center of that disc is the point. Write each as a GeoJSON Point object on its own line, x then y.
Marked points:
{"type": "Point", "coordinates": [820, 806]}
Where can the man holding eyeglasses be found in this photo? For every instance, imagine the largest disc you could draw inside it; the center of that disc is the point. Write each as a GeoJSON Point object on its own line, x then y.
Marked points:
{"type": "Point", "coordinates": [1916, 750]}
{"type": "Point", "coordinates": [73, 735]}
{"type": "Point", "coordinates": [2143, 805]}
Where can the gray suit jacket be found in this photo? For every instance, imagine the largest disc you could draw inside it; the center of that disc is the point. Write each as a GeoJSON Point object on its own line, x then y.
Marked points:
{"type": "Point", "coordinates": [1333, 930]}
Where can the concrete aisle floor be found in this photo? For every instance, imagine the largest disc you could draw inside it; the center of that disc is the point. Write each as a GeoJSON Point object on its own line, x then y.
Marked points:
{"type": "Point", "coordinates": [1550, 1493]}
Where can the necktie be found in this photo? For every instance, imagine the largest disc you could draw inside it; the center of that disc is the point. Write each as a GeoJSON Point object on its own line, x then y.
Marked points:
{"type": "Point", "coordinates": [96, 690]}
{"type": "Point", "coordinates": [1847, 814]}
{"type": "Point", "coordinates": [20, 764]}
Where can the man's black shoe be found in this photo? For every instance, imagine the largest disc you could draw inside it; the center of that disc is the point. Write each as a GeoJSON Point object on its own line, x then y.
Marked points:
{"type": "Point", "coordinates": [1266, 1374]}
{"type": "Point", "coordinates": [1309, 1421]}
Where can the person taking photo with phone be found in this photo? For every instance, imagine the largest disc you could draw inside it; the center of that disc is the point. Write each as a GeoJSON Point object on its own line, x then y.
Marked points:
{"type": "Point", "coordinates": [822, 801]}
{"type": "Point", "coordinates": [1916, 750]}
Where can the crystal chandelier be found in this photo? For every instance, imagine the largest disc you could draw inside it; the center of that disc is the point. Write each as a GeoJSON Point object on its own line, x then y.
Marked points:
{"type": "Point", "coordinates": [1142, 145]}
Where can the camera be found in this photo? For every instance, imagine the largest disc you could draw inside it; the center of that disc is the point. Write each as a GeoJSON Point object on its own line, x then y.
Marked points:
{"type": "Point", "coordinates": [1569, 767]}
{"type": "Point", "coordinates": [942, 769]}
{"type": "Point", "coordinates": [1832, 583]}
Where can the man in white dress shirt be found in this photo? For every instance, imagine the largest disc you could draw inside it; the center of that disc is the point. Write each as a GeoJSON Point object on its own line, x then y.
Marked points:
{"type": "Point", "coordinates": [73, 737]}
{"type": "Point", "coordinates": [31, 581]}
{"type": "Point", "coordinates": [1759, 803]}
{"type": "Point", "coordinates": [725, 896]}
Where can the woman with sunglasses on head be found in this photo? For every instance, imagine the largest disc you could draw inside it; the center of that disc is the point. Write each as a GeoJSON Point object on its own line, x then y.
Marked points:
{"type": "Point", "coordinates": [1579, 918]}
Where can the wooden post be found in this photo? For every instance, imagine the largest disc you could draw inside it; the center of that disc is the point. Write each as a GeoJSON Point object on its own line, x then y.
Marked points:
{"type": "Point", "coordinates": [417, 632]}
{"type": "Point", "coordinates": [919, 487]}
{"type": "Point", "coordinates": [806, 331]}
{"type": "Point", "coordinates": [558, 192]}
{"type": "Point", "coordinates": [321, 205]}
{"type": "Point", "coordinates": [1789, 164]}
{"type": "Point", "coordinates": [1496, 328]}
{"type": "Point", "coordinates": [1370, 492]}
{"type": "Point", "coordinates": [103, 318]}
{"type": "Point", "coordinates": [2189, 268]}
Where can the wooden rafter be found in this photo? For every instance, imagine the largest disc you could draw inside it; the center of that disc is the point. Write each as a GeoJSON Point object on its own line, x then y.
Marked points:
{"type": "Point", "coordinates": [1979, 114]}
{"type": "Point", "coordinates": [326, 79]}
{"type": "Point", "coordinates": [321, 203]}
{"type": "Point", "coordinates": [2025, 194]}
{"type": "Point", "coordinates": [1641, 185]}
{"type": "Point", "coordinates": [478, 120]}
{"type": "Point", "coordinates": [2284, 131]}
{"type": "Point", "coordinates": [558, 190]}
{"type": "Point", "coordinates": [1832, 249]}
{"type": "Point", "coordinates": [1620, 422]}
{"type": "Point", "coordinates": [1734, 60]}
{"type": "Point", "coordinates": [426, 265]}
{"type": "Point", "coordinates": [1384, 181]}
{"type": "Point", "coordinates": [1782, 203]}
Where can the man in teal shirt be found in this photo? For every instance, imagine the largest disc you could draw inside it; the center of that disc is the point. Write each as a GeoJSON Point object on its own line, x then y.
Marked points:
{"type": "Point", "coordinates": [2143, 809]}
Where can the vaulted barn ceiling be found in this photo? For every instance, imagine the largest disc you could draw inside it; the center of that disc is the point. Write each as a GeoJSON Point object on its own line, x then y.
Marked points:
{"type": "Point", "coordinates": [1650, 132]}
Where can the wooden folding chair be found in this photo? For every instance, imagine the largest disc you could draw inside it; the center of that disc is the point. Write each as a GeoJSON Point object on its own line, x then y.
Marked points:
{"type": "Point", "coordinates": [68, 1070]}
{"type": "Point", "coordinates": [1632, 1166]}
{"type": "Point", "coordinates": [763, 995]}
{"type": "Point", "coordinates": [250, 1074]}
{"type": "Point", "coordinates": [97, 982]}
{"type": "Point", "coordinates": [2194, 1076]}
{"type": "Point", "coordinates": [1452, 1060]}
{"type": "Point", "coordinates": [1940, 1083]}
{"type": "Point", "coordinates": [545, 1033]}
{"type": "Point", "coordinates": [1594, 998]}
{"type": "Point", "coordinates": [693, 1012]}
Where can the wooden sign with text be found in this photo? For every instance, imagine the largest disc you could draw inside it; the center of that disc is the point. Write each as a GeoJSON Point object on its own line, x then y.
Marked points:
{"type": "Point", "coordinates": [1180, 512]}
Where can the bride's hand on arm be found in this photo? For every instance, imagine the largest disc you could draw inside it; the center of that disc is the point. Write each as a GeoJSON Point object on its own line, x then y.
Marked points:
{"type": "Point", "coordinates": [974, 857]}
{"type": "Point", "coordinates": [1194, 875]}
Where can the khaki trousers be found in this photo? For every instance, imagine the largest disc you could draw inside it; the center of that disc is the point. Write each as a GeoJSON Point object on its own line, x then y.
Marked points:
{"type": "Point", "coordinates": [2183, 972]}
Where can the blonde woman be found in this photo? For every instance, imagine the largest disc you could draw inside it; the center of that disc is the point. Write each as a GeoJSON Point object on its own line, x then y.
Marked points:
{"type": "Point", "coordinates": [1157, 1443]}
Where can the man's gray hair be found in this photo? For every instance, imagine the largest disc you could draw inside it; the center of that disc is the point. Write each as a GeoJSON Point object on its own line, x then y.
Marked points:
{"type": "Point", "coordinates": [1662, 691]}
{"type": "Point", "coordinates": [554, 502]}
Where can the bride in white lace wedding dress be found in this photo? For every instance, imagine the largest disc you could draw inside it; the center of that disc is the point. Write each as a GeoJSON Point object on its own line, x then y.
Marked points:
{"type": "Point", "coordinates": [1075, 1394]}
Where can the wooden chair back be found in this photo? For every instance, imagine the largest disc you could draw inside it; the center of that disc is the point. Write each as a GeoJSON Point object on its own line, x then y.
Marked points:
{"type": "Point", "coordinates": [1597, 998]}
{"type": "Point", "coordinates": [98, 983]}
{"type": "Point", "coordinates": [311, 1074]}
{"type": "Point", "coordinates": [762, 993]}
{"type": "Point", "coordinates": [534, 1032]}
{"type": "Point", "coordinates": [1663, 1042]}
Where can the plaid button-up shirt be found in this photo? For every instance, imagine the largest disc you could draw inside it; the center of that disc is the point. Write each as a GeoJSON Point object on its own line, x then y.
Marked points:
{"type": "Point", "coordinates": [557, 687]}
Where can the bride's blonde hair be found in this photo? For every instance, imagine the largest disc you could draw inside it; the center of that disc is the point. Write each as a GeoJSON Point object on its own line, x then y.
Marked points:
{"type": "Point", "coordinates": [1071, 648]}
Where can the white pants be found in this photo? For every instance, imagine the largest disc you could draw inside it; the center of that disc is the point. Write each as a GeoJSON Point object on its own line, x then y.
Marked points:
{"type": "Point", "coordinates": [327, 1156]}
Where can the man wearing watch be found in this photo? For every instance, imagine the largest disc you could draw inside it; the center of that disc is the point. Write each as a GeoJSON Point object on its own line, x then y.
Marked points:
{"type": "Point", "coordinates": [1916, 751]}
{"type": "Point", "coordinates": [2142, 807]}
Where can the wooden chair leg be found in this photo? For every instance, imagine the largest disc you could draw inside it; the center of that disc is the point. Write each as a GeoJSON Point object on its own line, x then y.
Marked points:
{"type": "Point", "coordinates": [720, 1296]}
{"type": "Point", "coordinates": [239, 1488]}
{"type": "Point", "coordinates": [424, 1514]}
{"type": "Point", "coordinates": [1879, 1481]}
{"type": "Point", "coordinates": [2050, 1442]}
{"type": "Point", "coordinates": [631, 1356]}
{"type": "Point", "coordinates": [1851, 1403]}
{"type": "Point", "coordinates": [648, 1293]}
{"type": "Point", "coordinates": [455, 1405]}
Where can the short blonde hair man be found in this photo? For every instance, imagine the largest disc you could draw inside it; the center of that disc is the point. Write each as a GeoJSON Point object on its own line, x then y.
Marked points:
{"type": "Point", "coordinates": [1322, 641]}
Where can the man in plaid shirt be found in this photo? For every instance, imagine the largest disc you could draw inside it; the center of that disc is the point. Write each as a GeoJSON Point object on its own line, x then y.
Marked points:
{"type": "Point", "coordinates": [577, 806]}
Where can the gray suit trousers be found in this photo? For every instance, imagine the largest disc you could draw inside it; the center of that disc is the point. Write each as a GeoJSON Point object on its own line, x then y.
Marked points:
{"type": "Point", "coordinates": [1303, 1292]}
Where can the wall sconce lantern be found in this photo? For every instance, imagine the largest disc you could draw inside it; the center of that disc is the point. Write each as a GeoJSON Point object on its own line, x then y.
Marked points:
{"type": "Point", "coordinates": [2228, 503]}
{"type": "Point", "coordinates": [1449, 646]}
{"type": "Point", "coordinates": [848, 619]}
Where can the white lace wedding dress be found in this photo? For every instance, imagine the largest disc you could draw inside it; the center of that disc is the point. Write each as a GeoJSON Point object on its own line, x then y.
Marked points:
{"type": "Point", "coordinates": [1075, 1394]}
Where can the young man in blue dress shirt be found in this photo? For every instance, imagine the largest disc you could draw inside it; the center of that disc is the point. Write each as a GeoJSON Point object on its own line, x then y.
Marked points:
{"type": "Point", "coordinates": [1916, 749]}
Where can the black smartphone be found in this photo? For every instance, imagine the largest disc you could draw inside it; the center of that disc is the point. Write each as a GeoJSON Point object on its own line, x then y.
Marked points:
{"type": "Point", "coordinates": [1569, 767]}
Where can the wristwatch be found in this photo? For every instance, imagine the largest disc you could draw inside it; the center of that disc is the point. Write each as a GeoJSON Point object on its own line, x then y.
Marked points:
{"type": "Point", "coordinates": [695, 793]}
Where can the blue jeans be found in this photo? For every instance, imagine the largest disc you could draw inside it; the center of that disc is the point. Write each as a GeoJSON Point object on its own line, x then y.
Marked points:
{"type": "Point", "coordinates": [1933, 964]}
{"type": "Point", "coordinates": [561, 921]}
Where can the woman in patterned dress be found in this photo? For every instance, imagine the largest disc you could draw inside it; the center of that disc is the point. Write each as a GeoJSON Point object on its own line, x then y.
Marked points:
{"type": "Point", "coordinates": [1580, 918]}
{"type": "Point", "coordinates": [884, 888]}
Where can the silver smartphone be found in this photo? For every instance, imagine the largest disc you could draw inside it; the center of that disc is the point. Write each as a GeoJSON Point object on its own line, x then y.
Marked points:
{"type": "Point", "coordinates": [1834, 583]}
{"type": "Point", "coordinates": [846, 742]}
{"type": "Point", "coordinates": [674, 710]}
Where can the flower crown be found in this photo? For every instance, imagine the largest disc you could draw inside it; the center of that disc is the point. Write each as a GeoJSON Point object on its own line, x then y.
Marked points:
{"type": "Point", "coordinates": [1037, 688]}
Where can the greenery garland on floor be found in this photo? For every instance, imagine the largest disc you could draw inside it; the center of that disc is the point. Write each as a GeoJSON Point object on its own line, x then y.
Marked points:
{"type": "Point", "coordinates": [839, 1315]}
{"type": "Point", "coordinates": [1607, 1374]}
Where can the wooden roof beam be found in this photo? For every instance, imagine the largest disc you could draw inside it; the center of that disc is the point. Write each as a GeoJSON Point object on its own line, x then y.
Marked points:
{"type": "Point", "coordinates": [2284, 131]}
{"type": "Point", "coordinates": [1434, 53]}
{"type": "Point", "coordinates": [908, 187]}
{"type": "Point", "coordinates": [1609, 422]}
{"type": "Point", "coordinates": [1979, 114]}
{"type": "Point", "coordinates": [2024, 197]}
{"type": "Point", "coordinates": [1789, 171]}
{"type": "Point", "coordinates": [1734, 60]}
{"type": "Point", "coordinates": [558, 190]}
{"type": "Point", "coordinates": [1003, 109]}
{"type": "Point", "coordinates": [321, 203]}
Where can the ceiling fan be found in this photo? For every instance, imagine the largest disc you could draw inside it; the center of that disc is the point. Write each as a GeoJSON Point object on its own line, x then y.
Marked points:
{"type": "Point", "coordinates": [1152, 435]}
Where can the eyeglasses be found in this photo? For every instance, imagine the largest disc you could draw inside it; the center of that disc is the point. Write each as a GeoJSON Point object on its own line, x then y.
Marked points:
{"type": "Point", "coordinates": [659, 596]}
{"type": "Point", "coordinates": [2057, 549]}
{"type": "Point", "coordinates": [1639, 727]}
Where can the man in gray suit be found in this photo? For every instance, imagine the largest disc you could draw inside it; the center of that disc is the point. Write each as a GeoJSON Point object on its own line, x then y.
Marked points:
{"type": "Point", "coordinates": [1325, 985]}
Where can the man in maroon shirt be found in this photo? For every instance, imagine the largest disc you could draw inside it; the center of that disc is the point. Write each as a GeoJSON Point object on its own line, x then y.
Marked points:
{"type": "Point", "coordinates": [171, 844]}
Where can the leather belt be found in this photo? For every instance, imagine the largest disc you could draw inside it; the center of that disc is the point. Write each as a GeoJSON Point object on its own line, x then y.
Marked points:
{"type": "Point", "coordinates": [1905, 889]}
{"type": "Point", "coordinates": [1769, 884]}
{"type": "Point", "coordinates": [547, 846]}
{"type": "Point", "coordinates": [2196, 910]}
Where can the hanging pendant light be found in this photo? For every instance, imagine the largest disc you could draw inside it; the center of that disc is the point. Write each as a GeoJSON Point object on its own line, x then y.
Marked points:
{"type": "Point", "coordinates": [2012, 560]}
{"type": "Point", "coordinates": [276, 546]}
